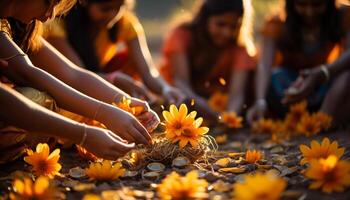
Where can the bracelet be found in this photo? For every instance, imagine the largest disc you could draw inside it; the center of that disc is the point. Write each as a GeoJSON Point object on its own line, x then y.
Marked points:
{"type": "Point", "coordinates": [84, 136]}
{"type": "Point", "coordinates": [261, 102]}
{"type": "Point", "coordinates": [97, 111]}
{"type": "Point", "coordinates": [325, 71]}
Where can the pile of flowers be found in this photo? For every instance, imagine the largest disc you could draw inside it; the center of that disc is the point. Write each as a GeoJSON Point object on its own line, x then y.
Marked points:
{"type": "Point", "coordinates": [297, 122]}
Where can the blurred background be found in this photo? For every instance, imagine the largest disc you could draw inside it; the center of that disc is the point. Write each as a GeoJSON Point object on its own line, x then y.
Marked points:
{"type": "Point", "coordinates": [159, 16]}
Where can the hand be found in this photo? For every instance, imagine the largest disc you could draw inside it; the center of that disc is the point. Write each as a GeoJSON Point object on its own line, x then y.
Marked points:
{"type": "Point", "coordinates": [173, 95]}
{"type": "Point", "coordinates": [132, 87]}
{"type": "Point", "coordinates": [124, 125]}
{"type": "Point", "coordinates": [150, 120]}
{"type": "Point", "coordinates": [105, 144]}
{"type": "Point", "coordinates": [257, 111]}
{"type": "Point", "coordinates": [135, 102]}
{"type": "Point", "coordinates": [303, 86]}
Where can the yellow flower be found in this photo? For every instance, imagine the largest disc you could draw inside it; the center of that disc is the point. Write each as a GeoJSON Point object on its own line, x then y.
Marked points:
{"type": "Point", "coordinates": [259, 186]}
{"type": "Point", "coordinates": [317, 150]}
{"type": "Point", "coordinates": [44, 163]}
{"type": "Point", "coordinates": [176, 187]}
{"type": "Point", "coordinates": [329, 174]}
{"type": "Point", "coordinates": [231, 119]}
{"type": "Point", "coordinates": [183, 128]}
{"type": "Point", "coordinates": [105, 171]}
{"type": "Point", "coordinates": [324, 119]}
{"type": "Point", "coordinates": [266, 126]}
{"type": "Point", "coordinates": [296, 112]}
{"type": "Point", "coordinates": [218, 101]}
{"type": "Point", "coordinates": [125, 104]}
{"type": "Point", "coordinates": [39, 190]}
{"type": "Point", "coordinates": [309, 126]}
{"type": "Point", "coordinates": [253, 156]}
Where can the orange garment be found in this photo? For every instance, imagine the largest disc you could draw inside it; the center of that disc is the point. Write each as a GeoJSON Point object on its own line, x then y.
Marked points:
{"type": "Point", "coordinates": [327, 53]}
{"type": "Point", "coordinates": [203, 80]}
{"type": "Point", "coordinates": [112, 55]}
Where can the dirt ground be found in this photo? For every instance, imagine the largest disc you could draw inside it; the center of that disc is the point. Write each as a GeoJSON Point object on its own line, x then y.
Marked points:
{"type": "Point", "coordinates": [284, 158]}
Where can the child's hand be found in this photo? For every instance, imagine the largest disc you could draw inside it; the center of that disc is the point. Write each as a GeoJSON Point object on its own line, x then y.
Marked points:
{"type": "Point", "coordinates": [173, 95]}
{"type": "Point", "coordinates": [105, 144]}
{"type": "Point", "coordinates": [257, 111]}
{"type": "Point", "coordinates": [124, 125]}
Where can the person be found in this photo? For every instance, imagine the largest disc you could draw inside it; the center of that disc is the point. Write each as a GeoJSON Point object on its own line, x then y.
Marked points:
{"type": "Point", "coordinates": [107, 38]}
{"type": "Point", "coordinates": [312, 40]}
{"type": "Point", "coordinates": [213, 52]}
{"type": "Point", "coordinates": [19, 33]}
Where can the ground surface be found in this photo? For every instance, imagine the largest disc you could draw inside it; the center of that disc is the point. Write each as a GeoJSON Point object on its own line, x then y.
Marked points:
{"type": "Point", "coordinates": [283, 157]}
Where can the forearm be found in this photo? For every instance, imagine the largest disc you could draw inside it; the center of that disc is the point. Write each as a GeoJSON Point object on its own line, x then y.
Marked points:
{"type": "Point", "coordinates": [83, 80]}
{"type": "Point", "coordinates": [18, 111]}
{"type": "Point", "coordinates": [262, 82]}
{"type": "Point", "coordinates": [341, 64]}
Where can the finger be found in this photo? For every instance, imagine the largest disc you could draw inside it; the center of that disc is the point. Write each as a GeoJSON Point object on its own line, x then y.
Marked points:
{"type": "Point", "coordinates": [143, 131]}
{"type": "Point", "coordinates": [136, 102]}
{"type": "Point", "coordinates": [117, 137]}
{"type": "Point", "coordinates": [127, 137]}
{"type": "Point", "coordinates": [137, 136]}
{"type": "Point", "coordinates": [123, 148]}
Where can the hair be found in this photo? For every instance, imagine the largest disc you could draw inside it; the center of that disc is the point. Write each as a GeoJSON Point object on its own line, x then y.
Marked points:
{"type": "Point", "coordinates": [201, 47]}
{"type": "Point", "coordinates": [79, 29]}
{"type": "Point", "coordinates": [291, 39]}
{"type": "Point", "coordinates": [27, 36]}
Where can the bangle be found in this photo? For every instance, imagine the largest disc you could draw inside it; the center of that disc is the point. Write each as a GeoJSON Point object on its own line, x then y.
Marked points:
{"type": "Point", "coordinates": [261, 102]}
{"type": "Point", "coordinates": [325, 71]}
{"type": "Point", "coordinates": [84, 136]}
{"type": "Point", "coordinates": [97, 111]}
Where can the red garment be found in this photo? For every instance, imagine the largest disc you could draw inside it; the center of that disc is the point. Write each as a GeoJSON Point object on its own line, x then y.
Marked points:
{"type": "Point", "coordinates": [205, 80]}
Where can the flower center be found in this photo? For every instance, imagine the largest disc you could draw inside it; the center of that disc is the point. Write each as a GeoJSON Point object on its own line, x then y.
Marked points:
{"type": "Point", "coordinates": [187, 132]}
{"type": "Point", "coordinates": [178, 125]}
{"type": "Point", "coordinates": [42, 165]}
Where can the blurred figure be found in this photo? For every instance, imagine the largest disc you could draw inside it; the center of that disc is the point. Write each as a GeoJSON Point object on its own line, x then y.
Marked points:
{"type": "Point", "coordinates": [213, 52]}
{"type": "Point", "coordinates": [311, 40]}
{"type": "Point", "coordinates": [105, 37]}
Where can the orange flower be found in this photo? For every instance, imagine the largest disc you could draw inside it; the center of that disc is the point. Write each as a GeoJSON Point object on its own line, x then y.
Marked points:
{"type": "Point", "coordinates": [183, 128]}
{"type": "Point", "coordinates": [329, 174]}
{"type": "Point", "coordinates": [317, 150]}
{"type": "Point", "coordinates": [259, 187]}
{"type": "Point", "coordinates": [125, 104]}
{"type": "Point", "coordinates": [39, 190]}
{"type": "Point", "coordinates": [85, 154]}
{"type": "Point", "coordinates": [43, 162]}
{"type": "Point", "coordinates": [105, 171]}
{"type": "Point", "coordinates": [221, 139]}
{"type": "Point", "coordinates": [231, 119]}
{"type": "Point", "coordinates": [253, 156]}
{"type": "Point", "coordinates": [266, 126]}
{"type": "Point", "coordinates": [175, 187]}
{"type": "Point", "coordinates": [218, 101]}
{"type": "Point", "coordinates": [324, 119]}
{"type": "Point", "coordinates": [309, 126]}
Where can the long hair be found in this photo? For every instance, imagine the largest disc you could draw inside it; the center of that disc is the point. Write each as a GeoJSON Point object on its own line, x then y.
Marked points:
{"type": "Point", "coordinates": [27, 36]}
{"type": "Point", "coordinates": [331, 31]}
{"type": "Point", "coordinates": [80, 32]}
{"type": "Point", "coordinates": [200, 47]}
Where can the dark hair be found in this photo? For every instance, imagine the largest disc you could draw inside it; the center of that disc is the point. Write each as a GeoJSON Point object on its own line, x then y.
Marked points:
{"type": "Point", "coordinates": [331, 31]}
{"type": "Point", "coordinates": [81, 37]}
{"type": "Point", "coordinates": [201, 49]}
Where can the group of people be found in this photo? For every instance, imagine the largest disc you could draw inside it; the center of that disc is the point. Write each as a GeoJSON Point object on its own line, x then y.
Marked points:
{"type": "Point", "coordinates": [64, 62]}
